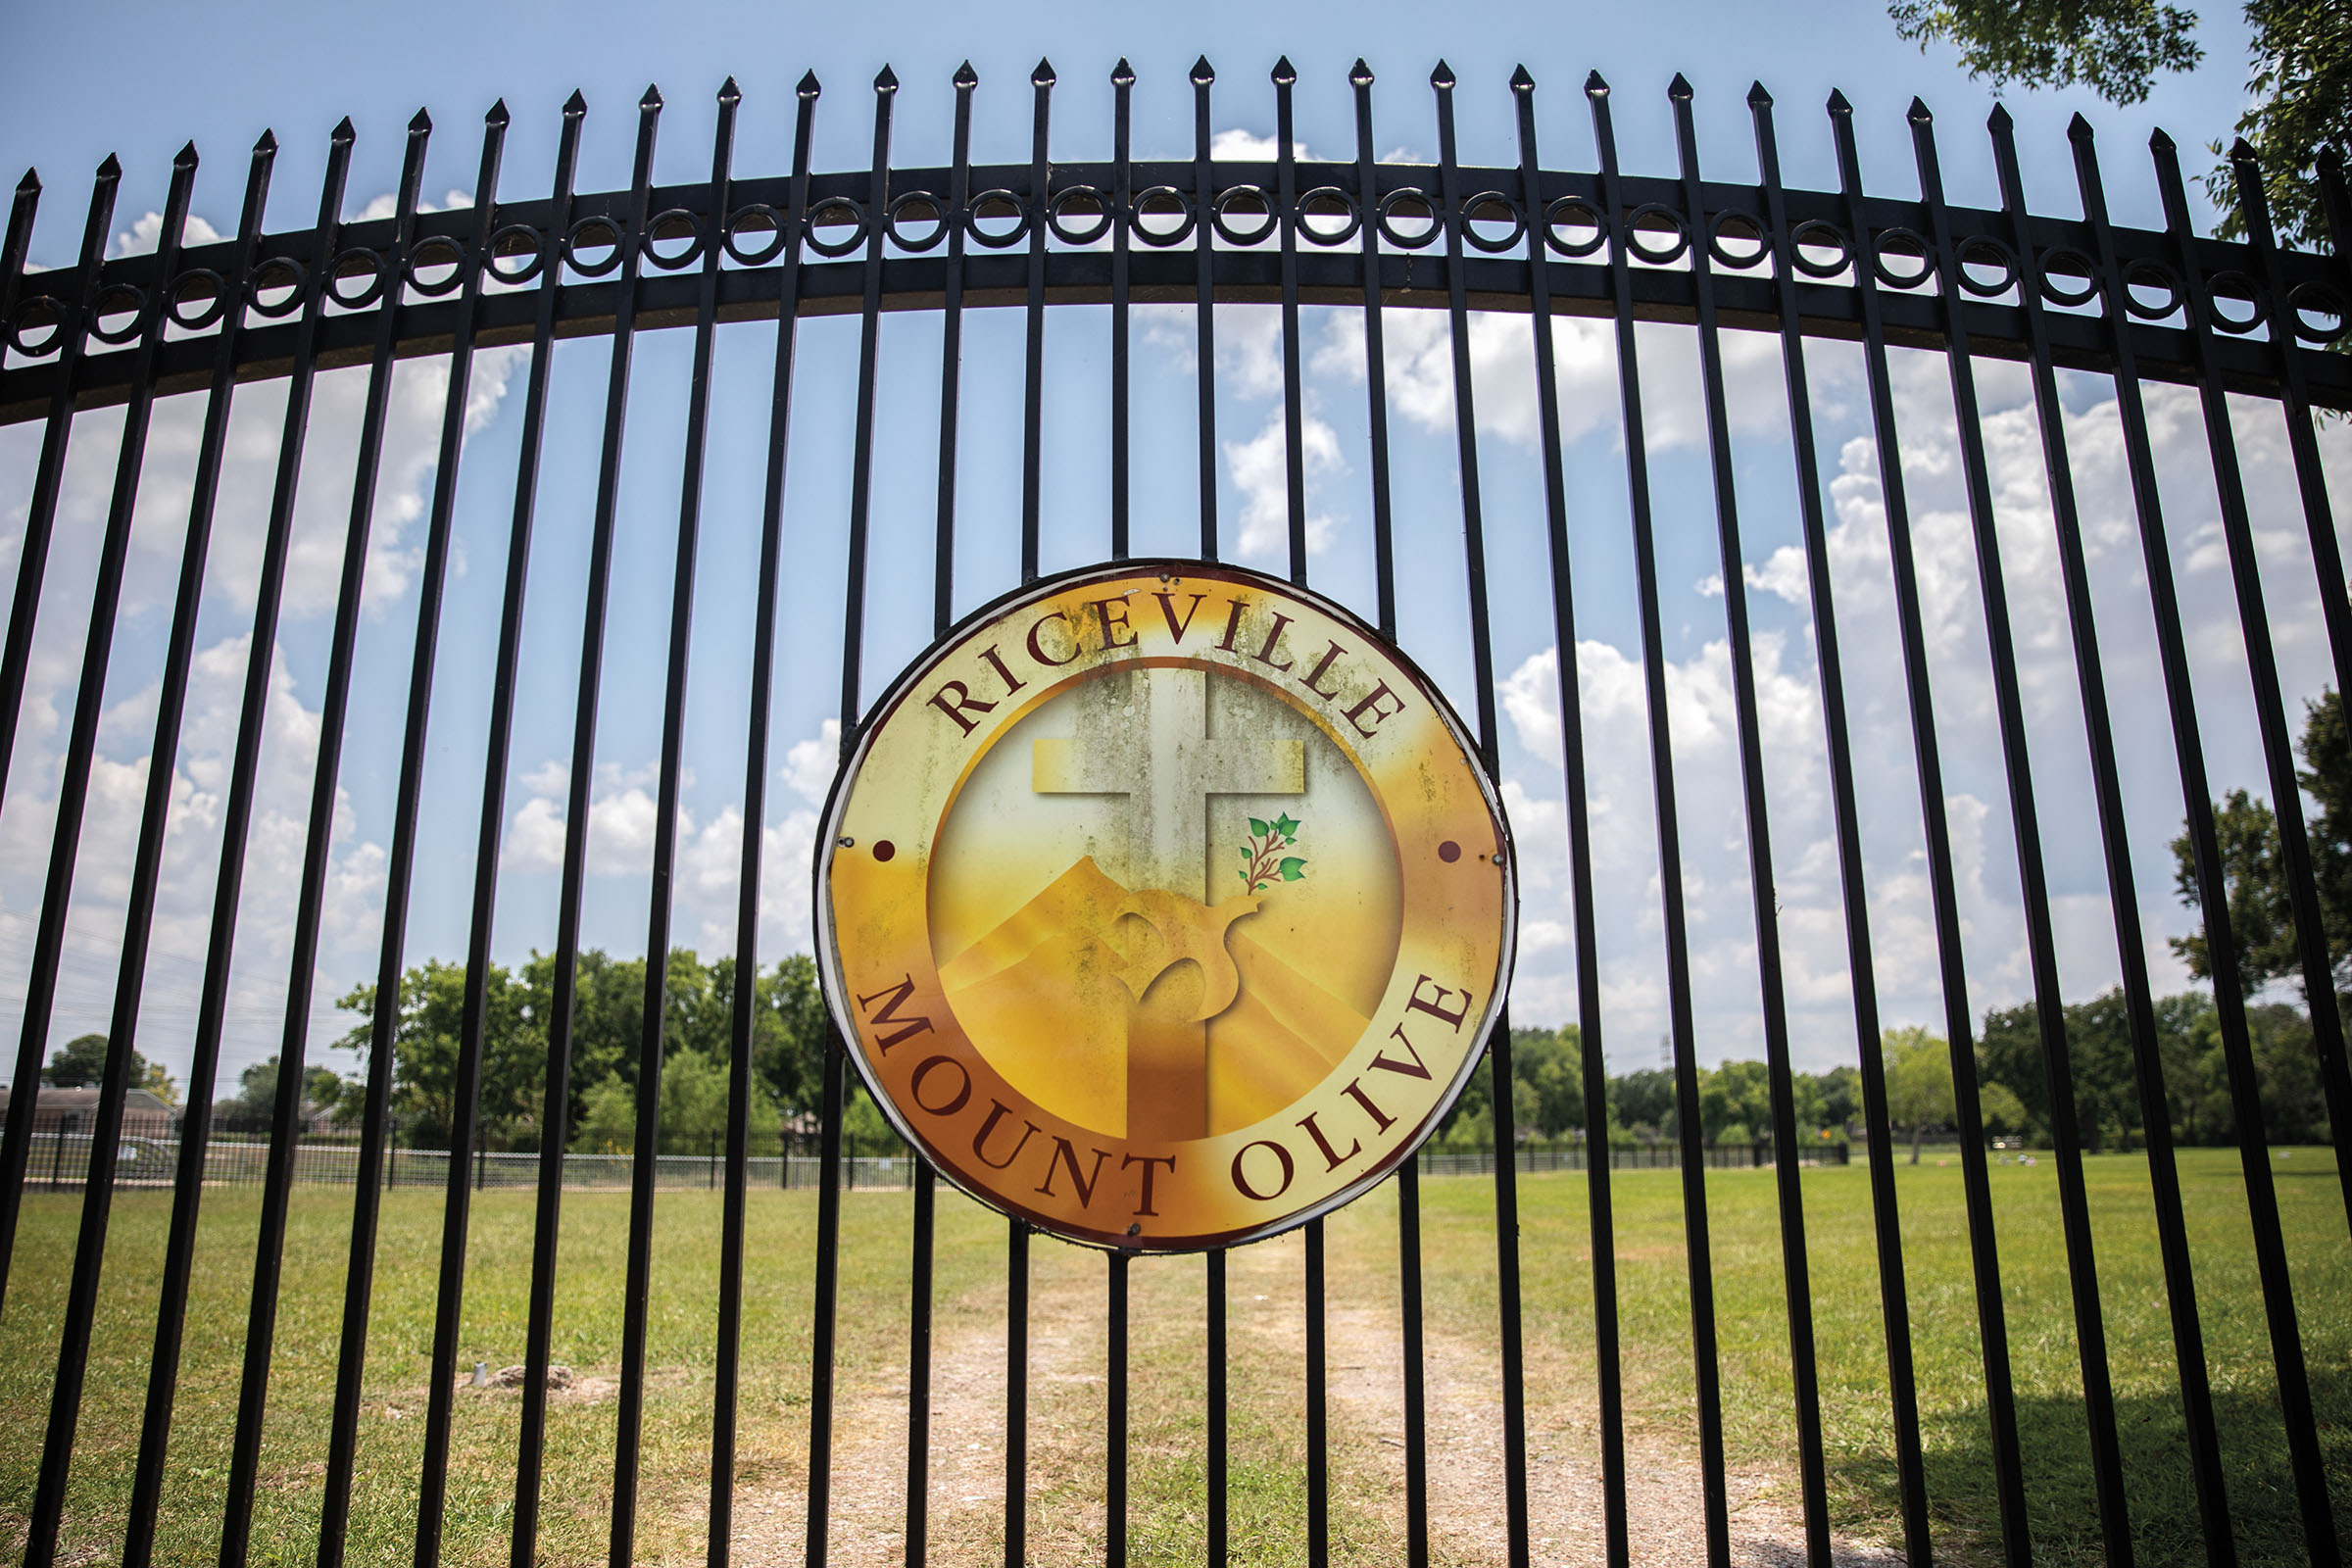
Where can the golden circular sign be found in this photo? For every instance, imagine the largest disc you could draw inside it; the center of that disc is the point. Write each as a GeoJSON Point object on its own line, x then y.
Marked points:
{"type": "Point", "coordinates": [1166, 906]}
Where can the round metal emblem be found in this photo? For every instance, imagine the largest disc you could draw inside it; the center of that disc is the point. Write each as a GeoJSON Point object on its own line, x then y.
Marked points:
{"type": "Point", "coordinates": [1164, 905]}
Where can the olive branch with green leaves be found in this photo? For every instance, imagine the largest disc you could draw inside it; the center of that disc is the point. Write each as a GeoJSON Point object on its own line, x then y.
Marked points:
{"type": "Point", "coordinates": [1264, 862]}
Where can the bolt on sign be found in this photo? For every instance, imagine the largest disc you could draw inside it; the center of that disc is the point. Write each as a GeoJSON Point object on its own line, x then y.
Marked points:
{"type": "Point", "coordinates": [1166, 906]}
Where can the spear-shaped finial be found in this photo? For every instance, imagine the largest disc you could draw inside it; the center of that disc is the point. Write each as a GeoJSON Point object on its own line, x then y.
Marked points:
{"type": "Point", "coordinates": [1757, 97]}
{"type": "Point", "coordinates": [651, 103]}
{"type": "Point", "coordinates": [809, 86]}
{"type": "Point", "coordinates": [421, 125]}
{"type": "Point", "coordinates": [1042, 76]}
{"type": "Point", "coordinates": [343, 135]}
{"type": "Point", "coordinates": [110, 169]}
{"type": "Point", "coordinates": [1122, 74]}
{"type": "Point", "coordinates": [1361, 74]}
{"type": "Point", "coordinates": [1442, 79]}
{"type": "Point", "coordinates": [30, 185]}
{"type": "Point", "coordinates": [575, 105]}
{"type": "Point", "coordinates": [729, 93]}
{"type": "Point", "coordinates": [1595, 86]}
{"type": "Point", "coordinates": [886, 81]}
{"type": "Point", "coordinates": [1838, 106]}
{"type": "Point", "coordinates": [1203, 73]}
{"type": "Point", "coordinates": [498, 117]}
{"type": "Point", "coordinates": [2079, 128]}
{"type": "Point", "coordinates": [966, 77]}
{"type": "Point", "coordinates": [1678, 89]}
{"type": "Point", "coordinates": [1520, 81]}
{"type": "Point", "coordinates": [268, 144]}
{"type": "Point", "coordinates": [1920, 113]}
{"type": "Point", "coordinates": [1998, 121]}
{"type": "Point", "coordinates": [2161, 144]}
{"type": "Point", "coordinates": [185, 158]}
{"type": "Point", "coordinates": [1285, 74]}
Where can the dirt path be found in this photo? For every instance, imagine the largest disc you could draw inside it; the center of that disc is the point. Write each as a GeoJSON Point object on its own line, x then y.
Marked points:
{"type": "Point", "coordinates": [1066, 1359]}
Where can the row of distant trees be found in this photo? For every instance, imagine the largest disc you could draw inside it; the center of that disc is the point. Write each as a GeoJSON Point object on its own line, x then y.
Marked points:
{"type": "Point", "coordinates": [1734, 1100]}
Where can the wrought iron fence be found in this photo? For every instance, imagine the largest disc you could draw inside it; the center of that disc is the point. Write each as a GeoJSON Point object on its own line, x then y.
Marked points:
{"type": "Point", "coordinates": [2141, 305]}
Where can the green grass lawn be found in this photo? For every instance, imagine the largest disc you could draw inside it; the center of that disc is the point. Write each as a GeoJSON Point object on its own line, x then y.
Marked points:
{"type": "Point", "coordinates": [1268, 1446]}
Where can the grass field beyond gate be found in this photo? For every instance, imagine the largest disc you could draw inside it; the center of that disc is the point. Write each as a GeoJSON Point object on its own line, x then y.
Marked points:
{"type": "Point", "coordinates": [1268, 1441]}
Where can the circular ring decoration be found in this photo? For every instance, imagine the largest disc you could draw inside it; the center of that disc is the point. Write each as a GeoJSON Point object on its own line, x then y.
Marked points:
{"type": "Point", "coordinates": [1755, 234]}
{"type": "Point", "coordinates": [1632, 234]}
{"type": "Point", "coordinates": [2151, 274]}
{"type": "Point", "coordinates": [577, 239]}
{"type": "Point", "coordinates": [1984, 245]}
{"type": "Point", "coordinates": [1554, 216]}
{"type": "Point", "coordinates": [1914, 248]}
{"type": "Point", "coordinates": [2251, 298]}
{"type": "Point", "coordinates": [1164, 905]}
{"type": "Point", "coordinates": [57, 313]}
{"type": "Point", "coordinates": [939, 220]}
{"type": "Point", "coordinates": [995, 203]}
{"type": "Point", "coordinates": [278, 272]}
{"type": "Point", "coordinates": [376, 270]}
{"type": "Point", "coordinates": [1828, 236]}
{"type": "Point", "coordinates": [1489, 200]}
{"type": "Point", "coordinates": [437, 251]}
{"type": "Point", "coordinates": [1328, 197]}
{"type": "Point", "coordinates": [1383, 216]}
{"type": "Point", "coordinates": [215, 308]}
{"type": "Point", "coordinates": [670, 220]}
{"type": "Point", "coordinates": [1104, 216]}
{"type": "Point", "coordinates": [2315, 297]}
{"type": "Point", "coordinates": [1217, 210]}
{"type": "Point", "coordinates": [2077, 264]}
{"type": "Point", "coordinates": [132, 303]}
{"type": "Point", "coordinates": [1160, 198]}
{"type": "Point", "coordinates": [534, 255]}
{"type": "Point", "coordinates": [737, 222]}
{"type": "Point", "coordinates": [856, 220]}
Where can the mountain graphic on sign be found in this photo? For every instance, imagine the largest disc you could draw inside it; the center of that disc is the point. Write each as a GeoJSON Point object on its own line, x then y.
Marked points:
{"type": "Point", "coordinates": [1144, 1013]}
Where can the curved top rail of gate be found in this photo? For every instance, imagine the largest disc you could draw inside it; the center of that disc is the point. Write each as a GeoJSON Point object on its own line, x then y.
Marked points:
{"type": "Point", "coordinates": [1215, 227]}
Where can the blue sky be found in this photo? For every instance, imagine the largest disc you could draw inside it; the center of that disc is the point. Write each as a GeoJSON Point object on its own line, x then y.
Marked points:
{"type": "Point", "coordinates": [139, 80]}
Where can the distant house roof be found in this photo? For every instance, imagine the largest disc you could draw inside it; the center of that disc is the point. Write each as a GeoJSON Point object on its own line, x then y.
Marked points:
{"type": "Point", "coordinates": [84, 1101]}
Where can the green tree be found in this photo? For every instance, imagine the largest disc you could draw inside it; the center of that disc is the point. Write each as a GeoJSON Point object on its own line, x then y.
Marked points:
{"type": "Point", "coordinates": [2298, 85]}
{"type": "Point", "coordinates": [1919, 1081]}
{"type": "Point", "coordinates": [1642, 1101]}
{"type": "Point", "coordinates": [80, 1064]}
{"type": "Point", "coordinates": [424, 1050]}
{"type": "Point", "coordinates": [256, 1097]}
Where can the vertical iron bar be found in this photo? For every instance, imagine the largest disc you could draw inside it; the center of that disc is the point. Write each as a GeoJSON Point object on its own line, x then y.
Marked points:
{"type": "Point", "coordinates": [268, 1258]}
{"type": "Point", "coordinates": [1294, 411]}
{"type": "Point", "coordinates": [644, 1164]}
{"type": "Point", "coordinates": [97, 1191]}
{"type": "Point", "coordinates": [2049, 1008]}
{"type": "Point", "coordinates": [2262, 667]}
{"type": "Point", "coordinates": [743, 1020]}
{"type": "Point", "coordinates": [1384, 568]}
{"type": "Point", "coordinates": [40, 520]}
{"type": "Point", "coordinates": [1318, 1405]}
{"type": "Point", "coordinates": [16, 1145]}
{"type": "Point", "coordinates": [1114, 1507]}
{"type": "Point", "coordinates": [1708, 1374]}
{"type": "Point", "coordinates": [1033, 393]}
{"type": "Point", "coordinates": [179, 1246]}
{"type": "Point", "coordinates": [1894, 1302]}
{"type": "Point", "coordinates": [2179, 1277]}
{"type": "Point", "coordinates": [1204, 355]}
{"type": "Point", "coordinates": [861, 458]}
{"type": "Point", "coordinates": [926, 1178]}
{"type": "Point", "coordinates": [1985, 1256]}
{"type": "Point", "coordinates": [1763, 892]}
{"type": "Point", "coordinates": [1218, 1414]}
{"type": "Point", "coordinates": [2318, 523]}
{"type": "Point", "coordinates": [1122, 218]}
{"type": "Point", "coordinates": [1482, 673]}
{"type": "Point", "coordinates": [384, 1023]}
{"type": "Point", "coordinates": [951, 352]}
{"type": "Point", "coordinates": [1016, 1395]}
{"type": "Point", "coordinates": [828, 1283]}
{"type": "Point", "coordinates": [555, 1118]}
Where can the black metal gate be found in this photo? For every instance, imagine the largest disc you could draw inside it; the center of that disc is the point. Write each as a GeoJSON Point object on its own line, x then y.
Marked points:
{"type": "Point", "coordinates": [1377, 237]}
